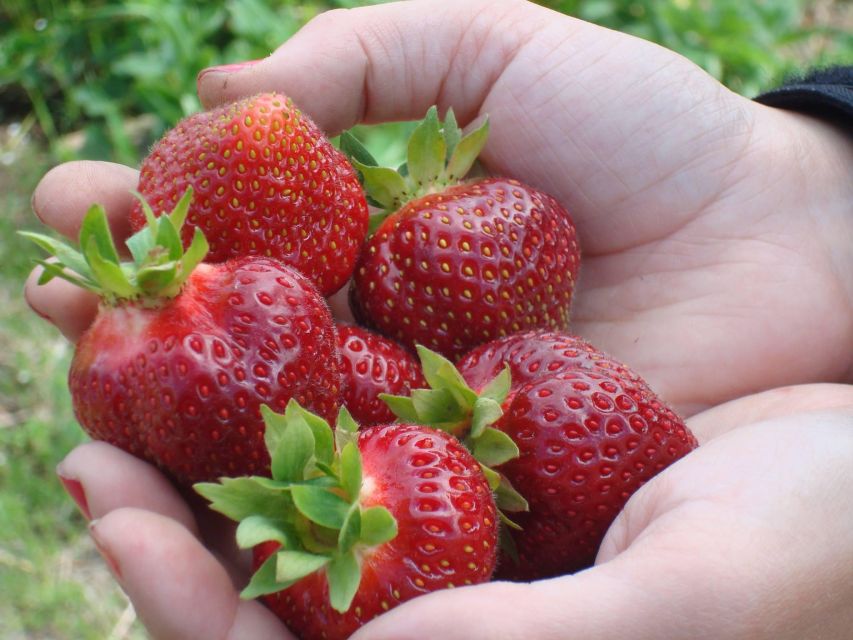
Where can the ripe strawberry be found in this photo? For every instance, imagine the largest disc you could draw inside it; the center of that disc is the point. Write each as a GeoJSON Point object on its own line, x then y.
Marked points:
{"type": "Point", "coordinates": [267, 182]}
{"type": "Point", "coordinates": [458, 264]}
{"type": "Point", "coordinates": [571, 441]}
{"type": "Point", "coordinates": [181, 355]}
{"type": "Point", "coordinates": [533, 354]}
{"type": "Point", "coordinates": [588, 439]}
{"type": "Point", "coordinates": [372, 364]}
{"type": "Point", "coordinates": [347, 531]}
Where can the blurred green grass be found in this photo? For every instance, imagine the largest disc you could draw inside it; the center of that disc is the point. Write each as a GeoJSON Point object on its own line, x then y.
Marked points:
{"type": "Point", "coordinates": [47, 565]}
{"type": "Point", "coordinates": [102, 79]}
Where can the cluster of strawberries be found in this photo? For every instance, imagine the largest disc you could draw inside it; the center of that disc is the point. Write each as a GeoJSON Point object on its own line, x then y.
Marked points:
{"type": "Point", "coordinates": [505, 449]}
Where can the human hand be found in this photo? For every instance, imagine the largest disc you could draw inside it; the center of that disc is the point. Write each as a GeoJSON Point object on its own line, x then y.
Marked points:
{"type": "Point", "coordinates": [747, 537]}
{"type": "Point", "coordinates": [713, 228]}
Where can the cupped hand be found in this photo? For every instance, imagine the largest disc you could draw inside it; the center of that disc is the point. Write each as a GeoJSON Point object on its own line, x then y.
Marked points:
{"type": "Point", "coordinates": [747, 537]}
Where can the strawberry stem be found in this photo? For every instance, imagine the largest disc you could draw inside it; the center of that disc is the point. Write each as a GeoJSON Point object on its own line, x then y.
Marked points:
{"type": "Point", "coordinates": [449, 404]}
{"type": "Point", "coordinates": [311, 505]}
{"type": "Point", "coordinates": [438, 156]}
{"type": "Point", "coordinates": [159, 268]}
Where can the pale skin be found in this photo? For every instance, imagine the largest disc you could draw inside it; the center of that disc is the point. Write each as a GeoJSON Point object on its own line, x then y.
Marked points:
{"type": "Point", "coordinates": [718, 262]}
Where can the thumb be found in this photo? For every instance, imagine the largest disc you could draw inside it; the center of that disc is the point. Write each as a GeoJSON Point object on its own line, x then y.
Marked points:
{"type": "Point", "coordinates": [592, 605]}
{"type": "Point", "coordinates": [387, 62]}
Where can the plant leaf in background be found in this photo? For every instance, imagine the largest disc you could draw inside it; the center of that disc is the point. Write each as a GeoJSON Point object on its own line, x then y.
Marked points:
{"type": "Point", "coordinates": [748, 46]}
{"type": "Point", "coordinates": [105, 78]}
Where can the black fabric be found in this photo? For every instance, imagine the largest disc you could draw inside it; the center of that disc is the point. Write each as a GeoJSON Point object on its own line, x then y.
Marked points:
{"type": "Point", "coordinates": [822, 92]}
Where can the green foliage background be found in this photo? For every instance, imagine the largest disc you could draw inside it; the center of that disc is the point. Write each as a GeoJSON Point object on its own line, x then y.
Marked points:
{"type": "Point", "coordinates": [89, 65]}
{"type": "Point", "coordinates": [104, 78]}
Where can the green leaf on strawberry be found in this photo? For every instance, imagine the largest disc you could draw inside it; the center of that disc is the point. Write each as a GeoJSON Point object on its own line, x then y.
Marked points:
{"type": "Point", "coordinates": [310, 507]}
{"type": "Point", "coordinates": [255, 529]}
{"type": "Point", "coordinates": [377, 526]}
{"type": "Point", "coordinates": [240, 498]}
{"type": "Point", "coordinates": [264, 581]}
{"type": "Point", "coordinates": [159, 267]}
{"type": "Point", "coordinates": [290, 566]}
{"type": "Point", "coordinates": [355, 150]}
{"type": "Point", "coordinates": [452, 406]}
{"type": "Point", "coordinates": [438, 156]}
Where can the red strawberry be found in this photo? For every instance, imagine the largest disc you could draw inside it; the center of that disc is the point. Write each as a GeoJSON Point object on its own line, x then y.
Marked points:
{"type": "Point", "coordinates": [181, 355]}
{"type": "Point", "coordinates": [342, 536]}
{"type": "Point", "coordinates": [372, 364]}
{"type": "Point", "coordinates": [455, 265]}
{"type": "Point", "coordinates": [533, 354]}
{"type": "Point", "coordinates": [588, 439]}
{"type": "Point", "coordinates": [572, 441]}
{"type": "Point", "coordinates": [267, 182]}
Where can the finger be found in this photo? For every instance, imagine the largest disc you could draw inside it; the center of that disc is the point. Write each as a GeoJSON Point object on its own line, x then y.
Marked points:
{"type": "Point", "coordinates": [178, 588]}
{"type": "Point", "coordinates": [65, 193]}
{"type": "Point", "coordinates": [774, 403]}
{"type": "Point", "coordinates": [590, 605]}
{"type": "Point", "coordinates": [61, 200]}
{"type": "Point", "coordinates": [68, 307]}
{"type": "Point", "coordinates": [387, 62]}
{"type": "Point", "coordinates": [103, 478]}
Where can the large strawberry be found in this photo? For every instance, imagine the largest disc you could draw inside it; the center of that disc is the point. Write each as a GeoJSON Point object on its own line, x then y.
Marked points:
{"type": "Point", "coordinates": [267, 183]}
{"type": "Point", "coordinates": [455, 264]}
{"type": "Point", "coordinates": [372, 364]}
{"type": "Point", "coordinates": [181, 354]}
{"type": "Point", "coordinates": [354, 524]}
{"type": "Point", "coordinates": [587, 434]}
{"type": "Point", "coordinates": [532, 354]}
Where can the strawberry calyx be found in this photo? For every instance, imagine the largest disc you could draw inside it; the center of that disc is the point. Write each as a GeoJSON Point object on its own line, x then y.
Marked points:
{"type": "Point", "coordinates": [451, 405]}
{"type": "Point", "coordinates": [438, 156]}
{"type": "Point", "coordinates": [311, 506]}
{"type": "Point", "coordinates": [158, 269]}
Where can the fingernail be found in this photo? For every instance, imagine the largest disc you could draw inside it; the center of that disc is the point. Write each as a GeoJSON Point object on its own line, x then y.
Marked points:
{"type": "Point", "coordinates": [228, 68]}
{"type": "Point", "coordinates": [103, 550]}
{"type": "Point", "coordinates": [75, 489]}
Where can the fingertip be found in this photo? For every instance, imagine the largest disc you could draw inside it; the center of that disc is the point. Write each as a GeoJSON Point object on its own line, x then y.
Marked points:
{"type": "Point", "coordinates": [65, 193]}
{"type": "Point", "coordinates": [111, 479]}
{"type": "Point", "coordinates": [225, 83]}
{"type": "Point", "coordinates": [178, 588]}
{"type": "Point", "coordinates": [67, 307]}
